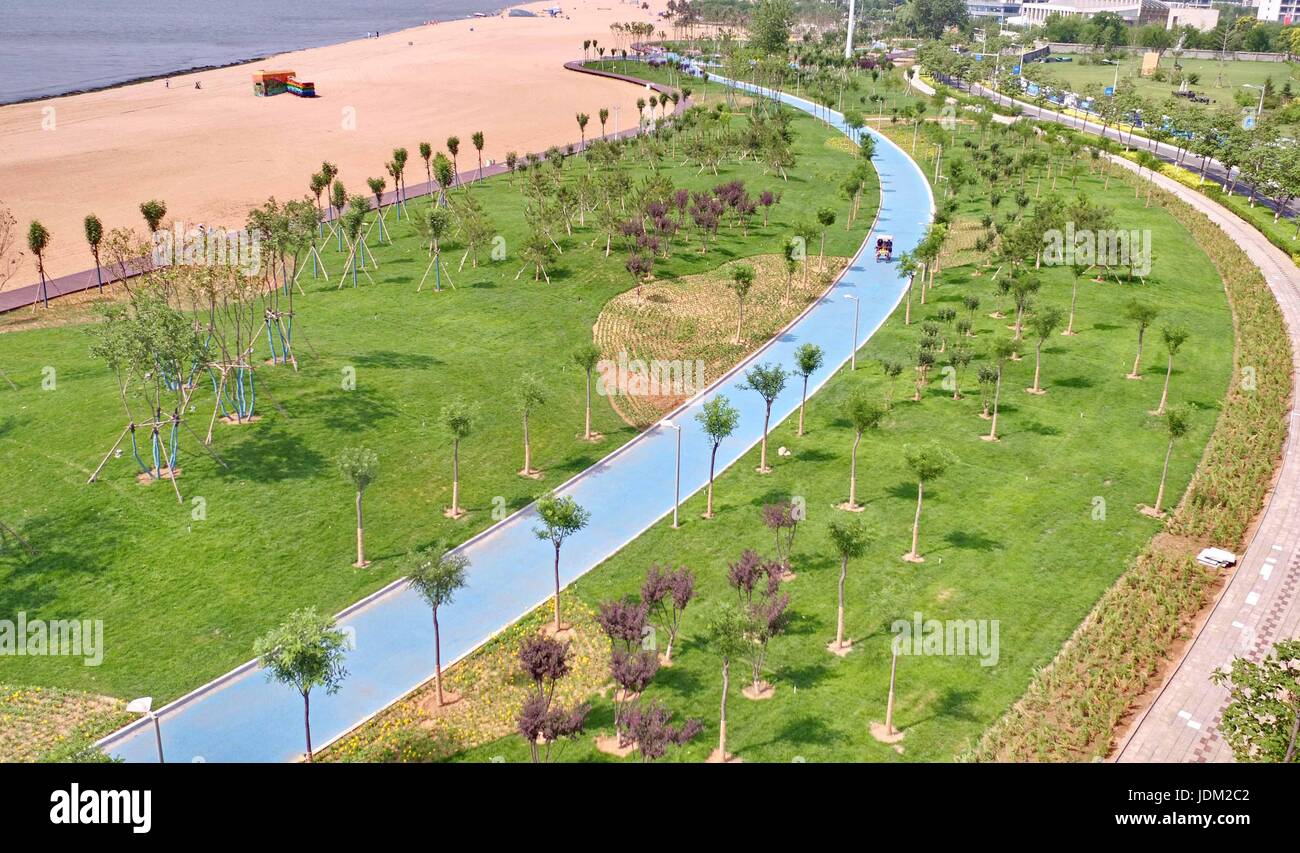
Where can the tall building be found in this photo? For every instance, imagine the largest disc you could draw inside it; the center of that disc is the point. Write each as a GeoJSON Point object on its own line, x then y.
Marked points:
{"type": "Point", "coordinates": [1284, 11]}
{"type": "Point", "coordinates": [1133, 11]}
{"type": "Point", "coordinates": [998, 10]}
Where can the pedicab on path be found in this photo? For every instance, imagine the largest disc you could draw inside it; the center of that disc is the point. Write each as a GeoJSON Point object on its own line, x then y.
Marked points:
{"type": "Point", "coordinates": [885, 248]}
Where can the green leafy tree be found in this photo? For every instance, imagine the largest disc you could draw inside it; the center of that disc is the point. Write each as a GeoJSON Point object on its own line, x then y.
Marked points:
{"type": "Point", "coordinates": [529, 395]}
{"type": "Point", "coordinates": [807, 359]}
{"type": "Point", "coordinates": [850, 542]}
{"type": "Point", "coordinates": [927, 462]}
{"type": "Point", "coordinates": [359, 467]}
{"type": "Point", "coordinates": [1177, 423]}
{"type": "Point", "coordinates": [1262, 720]}
{"type": "Point", "coordinates": [1043, 324]}
{"type": "Point", "coordinates": [718, 418]}
{"type": "Point", "coordinates": [436, 574]}
{"type": "Point", "coordinates": [742, 279]}
{"type": "Point", "coordinates": [1175, 337]}
{"type": "Point", "coordinates": [865, 414]}
{"type": "Point", "coordinates": [728, 635]}
{"type": "Point", "coordinates": [769, 27]}
{"type": "Point", "coordinates": [1003, 349]}
{"type": "Point", "coordinates": [94, 237]}
{"type": "Point", "coordinates": [458, 419]}
{"type": "Point", "coordinates": [1142, 315]}
{"type": "Point", "coordinates": [38, 240]}
{"type": "Point", "coordinates": [305, 652]}
{"type": "Point", "coordinates": [769, 381]}
{"type": "Point", "coordinates": [586, 357]}
{"type": "Point", "coordinates": [560, 517]}
{"type": "Point", "coordinates": [153, 212]}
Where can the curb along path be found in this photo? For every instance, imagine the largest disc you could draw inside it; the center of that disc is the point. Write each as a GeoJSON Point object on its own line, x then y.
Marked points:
{"type": "Point", "coordinates": [244, 717]}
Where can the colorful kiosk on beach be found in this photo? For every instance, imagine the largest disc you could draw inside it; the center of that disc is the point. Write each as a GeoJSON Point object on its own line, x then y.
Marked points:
{"type": "Point", "coordinates": [268, 83]}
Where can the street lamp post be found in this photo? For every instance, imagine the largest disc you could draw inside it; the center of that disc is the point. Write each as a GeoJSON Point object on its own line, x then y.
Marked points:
{"type": "Point", "coordinates": [856, 305]}
{"type": "Point", "coordinates": [144, 705]}
{"type": "Point", "coordinates": [677, 484]}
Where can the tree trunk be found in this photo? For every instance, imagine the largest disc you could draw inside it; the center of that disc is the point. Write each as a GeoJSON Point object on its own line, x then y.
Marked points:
{"type": "Point", "coordinates": [455, 478]}
{"type": "Point", "coordinates": [997, 394]}
{"type": "Point", "coordinates": [889, 704]}
{"type": "Point", "coordinates": [762, 456]}
{"type": "Point", "coordinates": [437, 656]}
{"type": "Point", "coordinates": [916, 522]}
{"type": "Point", "coordinates": [1038, 363]}
{"type": "Point", "coordinates": [713, 458]}
{"type": "Point", "coordinates": [306, 722]}
{"type": "Point", "coordinates": [528, 450]}
{"type": "Point", "coordinates": [361, 539]}
{"type": "Point", "coordinates": [586, 429]}
{"type": "Point", "coordinates": [722, 725]}
{"type": "Point", "coordinates": [1164, 395]}
{"type": "Point", "coordinates": [1137, 360]}
{"type": "Point", "coordinates": [557, 589]}
{"type": "Point", "coordinates": [839, 619]}
{"type": "Point", "coordinates": [853, 472]}
{"type": "Point", "coordinates": [803, 398]}
{"type": "Point", "coordinates": [1160, 494]}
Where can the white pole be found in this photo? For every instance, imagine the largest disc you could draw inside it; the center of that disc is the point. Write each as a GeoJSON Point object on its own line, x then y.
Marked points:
{"type": "Point", "coordinates": [848, 42]}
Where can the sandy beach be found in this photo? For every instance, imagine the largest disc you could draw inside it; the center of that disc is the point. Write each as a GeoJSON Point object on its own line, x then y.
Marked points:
{"type": "Point", "coordinates": [212, 153]}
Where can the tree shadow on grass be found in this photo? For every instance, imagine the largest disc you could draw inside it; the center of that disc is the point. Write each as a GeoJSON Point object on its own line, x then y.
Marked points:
{"type": "Point", "coordinates": [344, 411]}
{"type": "Point", "coordinates": [808, 676]}
{"type": "Point", "coordinates": [68, 544]}
{"type": "Point", "coordinates": [268, 454]}
{"type": "Point", "coordinates": [969, 541]}
{"type": "Point", "coordinates": [804, 729]}
{"type": "Point", "coordinates": [951, 705]}
{"type": "Point", "coordinates": [1074, 382]}
{"type": "Point", "coordinates": [396, 360]}
{"type": "Point", "coordinates": [1040, 428]}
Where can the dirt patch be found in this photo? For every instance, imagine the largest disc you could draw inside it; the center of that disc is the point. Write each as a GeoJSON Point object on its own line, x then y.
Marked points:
{"type": "Point", "coordinates": [679, 335]}
{"type": "Point", "coordinates": [49, 724]}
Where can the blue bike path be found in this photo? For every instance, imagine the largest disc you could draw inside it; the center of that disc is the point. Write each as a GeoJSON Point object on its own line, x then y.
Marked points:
{"type": "Point", "coordinates": [245, 717]}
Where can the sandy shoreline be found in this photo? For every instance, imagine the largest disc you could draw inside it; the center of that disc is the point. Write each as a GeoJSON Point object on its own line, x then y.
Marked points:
{"type": "Point", "coordinates": [214, 152]}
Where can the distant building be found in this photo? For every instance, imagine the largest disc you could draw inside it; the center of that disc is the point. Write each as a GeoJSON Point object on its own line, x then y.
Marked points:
{"type": "Point", "coordinates": [1283, 11]}
{"type": "Point", "coordinates": [998, 11]}
{"type": "Point", "coordinates": [1133, 11]}
{"type": "Point", "coordinates": [1188, 15]}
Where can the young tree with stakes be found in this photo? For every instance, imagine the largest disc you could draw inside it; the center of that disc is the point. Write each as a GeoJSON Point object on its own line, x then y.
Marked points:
{"type": "Point", "coordinates": [586, 357]}
{"type": "Point", "coordinates": [436, 574]}
{"type": "Point", "coordinates": [927, 462]}
{"type": "Point", "coordinates": [305, 652]}
{"type": "Point", "coordinates": [359, 467]}
{"type": "Point", "coordinates": [560, 518]}
{"type": "Point", "coordinates": [38, 240]}
{"type": "Point", "coordinates": [94, 237]}
{"type": "Point", "coordinates": [718, 418]}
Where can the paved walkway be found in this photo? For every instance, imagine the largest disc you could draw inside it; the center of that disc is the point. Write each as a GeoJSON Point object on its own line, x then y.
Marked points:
{"type": "Point", "coordinates": [1261, 602]}
{"type": "Point", "coordinates": [244, 717]}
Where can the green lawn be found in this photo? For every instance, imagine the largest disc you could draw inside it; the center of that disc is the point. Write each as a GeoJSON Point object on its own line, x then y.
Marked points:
{"type": "Point", "coordinates": [1011, 533]}
{"type": "Point", "coordinates": [1220, 82]}
{"type": "Point", "coordinates": [182, 599]}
